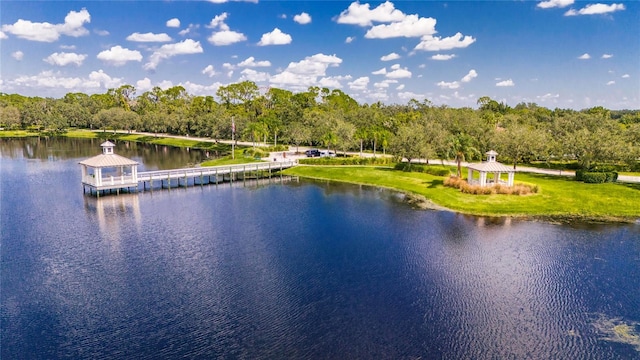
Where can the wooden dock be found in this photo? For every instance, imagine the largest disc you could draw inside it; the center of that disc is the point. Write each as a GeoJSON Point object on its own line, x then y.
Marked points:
{"type": "Point", "coordinates": [148, 180]}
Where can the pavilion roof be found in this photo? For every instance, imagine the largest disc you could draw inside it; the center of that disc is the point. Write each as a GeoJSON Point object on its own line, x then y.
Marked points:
{"type": "Point", "coordinates": [110, 160]}
{"type": "Point", "coordinates": [491, 167]}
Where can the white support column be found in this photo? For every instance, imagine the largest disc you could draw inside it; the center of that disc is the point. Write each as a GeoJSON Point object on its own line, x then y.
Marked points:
{"type": "Point", "coordinates": [98, 173]}
{"type": "Point", "coordinates": [469, 175]}
{"type": "Point", "coordinates": [483, 179]}
{"type": "Point", "coordinates": [511, 176]}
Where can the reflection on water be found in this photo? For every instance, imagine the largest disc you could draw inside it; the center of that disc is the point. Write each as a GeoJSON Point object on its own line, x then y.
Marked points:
{"type": "Point", "coordinates": [150, 156]}
{"type": "Point", "coordinates": [308, 269]}
{"type": "Point", "coordinates": [111, 212]}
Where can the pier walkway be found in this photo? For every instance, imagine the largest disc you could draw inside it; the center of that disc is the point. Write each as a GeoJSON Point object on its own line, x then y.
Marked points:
{"type": "Point", "coordinates": [147, 180]}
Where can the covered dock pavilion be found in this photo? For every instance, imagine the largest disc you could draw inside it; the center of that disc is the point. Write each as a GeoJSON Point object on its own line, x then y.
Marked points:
{"type": "Point", "coordinates": [490, 172]}
{"type": "Point", "coordinates": [109, 171]}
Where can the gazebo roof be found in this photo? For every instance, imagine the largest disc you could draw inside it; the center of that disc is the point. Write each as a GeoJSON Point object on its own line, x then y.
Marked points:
{"type": "Point", "coordinates": [491, 167]}
{"type": "Point", "coordinates": [110, 160]}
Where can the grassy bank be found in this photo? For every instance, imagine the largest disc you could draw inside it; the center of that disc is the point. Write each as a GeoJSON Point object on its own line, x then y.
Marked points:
{"type": "Point", "coordinates": [560, 198]}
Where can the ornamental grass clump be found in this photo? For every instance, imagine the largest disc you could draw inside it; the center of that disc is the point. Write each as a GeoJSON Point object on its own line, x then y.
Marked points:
{"type": "Point", "coordinates": [465, 187]}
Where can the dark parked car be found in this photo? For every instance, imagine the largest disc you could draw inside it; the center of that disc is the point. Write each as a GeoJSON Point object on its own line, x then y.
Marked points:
{"type": "Point", "coordinates": [312, 153]}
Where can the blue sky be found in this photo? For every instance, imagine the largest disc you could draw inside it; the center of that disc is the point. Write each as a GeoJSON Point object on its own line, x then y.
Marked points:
{"type": "Point", "coordinates": [557, 53]}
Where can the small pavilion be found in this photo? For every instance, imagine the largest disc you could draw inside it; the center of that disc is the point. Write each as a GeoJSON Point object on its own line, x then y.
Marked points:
{"type": "Point", "coordinates": [109, 171]}
{"type": "Point", "coordinates": [490, 172]}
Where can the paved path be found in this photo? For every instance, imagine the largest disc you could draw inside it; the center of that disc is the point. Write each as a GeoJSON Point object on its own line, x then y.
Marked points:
{"type": "Point", "coordinates": [290, 155]}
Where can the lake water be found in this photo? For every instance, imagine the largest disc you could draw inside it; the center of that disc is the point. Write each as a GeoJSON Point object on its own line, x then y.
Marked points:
{"type": "Point", "coordinates": [300, 269]}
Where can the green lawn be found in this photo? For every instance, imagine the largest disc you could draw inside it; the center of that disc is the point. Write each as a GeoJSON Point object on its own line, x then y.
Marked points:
{"type": "Point", "coordinates": [559, 197]}
{"type": "Point", "coordinates": [227, 160]}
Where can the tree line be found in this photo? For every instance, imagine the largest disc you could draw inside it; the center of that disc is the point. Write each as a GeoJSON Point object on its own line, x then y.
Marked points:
{"type": "Point", "coordinates": [332, 119]}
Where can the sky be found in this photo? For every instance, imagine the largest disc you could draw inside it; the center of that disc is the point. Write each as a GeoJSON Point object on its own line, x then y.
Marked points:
{"type": "Point", "coordinates": [556, 53]}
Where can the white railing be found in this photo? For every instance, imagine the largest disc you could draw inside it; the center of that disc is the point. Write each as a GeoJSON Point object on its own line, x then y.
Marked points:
{"type": "Point", "coordinates": [213, 170]}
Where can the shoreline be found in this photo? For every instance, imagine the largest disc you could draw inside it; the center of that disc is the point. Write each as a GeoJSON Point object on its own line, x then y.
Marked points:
{"type": "Point", "coordinates": [420, 200]}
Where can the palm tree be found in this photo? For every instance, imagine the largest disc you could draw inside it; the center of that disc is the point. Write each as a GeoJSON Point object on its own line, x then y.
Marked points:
{"type": "Point", "coordinates": [461, 147]}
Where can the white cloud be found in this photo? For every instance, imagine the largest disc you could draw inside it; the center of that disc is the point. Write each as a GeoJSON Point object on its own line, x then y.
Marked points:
{"type": "Point", "coordinates": [68, 47]}
{"type": "Point", "coordinates": [389, 57]}
{"type": "Point", "coordinates": [103, 78]}
{"type": "Point", "coordinates": [226, 37]}
{"type": "Point", "coordinates": [607, 56]}
{"type": "Point", "coordinates": [64, 59]}
{"type": "Point", "coordinates": [408, 95]}
{"type": "Point", "coordinates": [149, 37]}
{"type": "Point", "coordinates": [548, 97]}
{"type": "Point", "coordinates": [584, 56]}
{"type": "Point", "coordinates": [362, 15]}
{"type": "Point", "coordinates": [201, 90]}
{"type": "Point", "coordinates": [470, 76]}
{"type": "Point", "coordinates": [305, 73]}
{"type": "Point", "coordinates": [554, 4]}
{"type": "Point", "coordinates": [384, 84]}
{"type": "Point", "coordinates": [251, 62]}
{"type": "Point", "coordinates": [143, 85]}
{"type": "Point", "coordinates": [101, 32]}
{"type": "Point", "coordinates": [626, 76]}
{"type": "Point", "coordinates": [173, 23]}
{"type": "Point", "coordinates": [349, 39]}
{"type": "Point", "coordinates": [333, 81]}
{"type": "Point", "coordinates": [505, 83]}
{"type": "Point", "coordinates": [380, 72]}
{"type": "Point", "coordinates": [209, 71]}
{"type": "Point", "coordinates": [218, 22]}
{"type": "Point", "coordinates": [359, 84]}
{"type": "Point", "coordinates": [18, 55]}
{"type": "Point", "coordinates": [400, 87]}
{"type": "Point", "coordinates": [611, 82]}
{"type": "Point", "coordinates": [398, 73]}
{"type": "Point", "coordinates": [443, 57]}
{"type": "Point", "coordinates": [46, 32]}
{"type": "Point", "coordinates": [166, 51]}
{"type": "Point", "coordinates": [49, 79]}
{"type": "Point", "coordinates": [118, 56]}
{"type": "Point", "coordinates": [190, 28]}
{"type": "Point", "coordinates": [3, 35]}
{"type": "Point", "coordinates": [252, 75]}
{"type": "Point", "coordinates": [448, 85]}
{"type": "Point", "coordinates": [302, 18]}
{"type": "Point", "coordinates": [276, 37]}
{"type": "Point", "coordinates": [434, 43]}
{"type": "Point", "coordinates": [410, 26]}
{"type": "Point", "coordinates": [595, 9]}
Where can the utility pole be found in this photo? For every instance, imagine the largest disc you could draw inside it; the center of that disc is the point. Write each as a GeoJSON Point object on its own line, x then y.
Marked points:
{"type": "Point", "coordinates": [233, 138]}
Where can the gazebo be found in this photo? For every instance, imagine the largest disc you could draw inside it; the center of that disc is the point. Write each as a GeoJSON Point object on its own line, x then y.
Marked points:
{"type": "Point", "coordinates": [109, 171]}
{"type": "Point", "coordinates": [491, 166]}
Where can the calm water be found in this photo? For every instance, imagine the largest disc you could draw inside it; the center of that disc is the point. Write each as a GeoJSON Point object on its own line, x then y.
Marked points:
{"type": "Point", "coordinates": [294, 270]}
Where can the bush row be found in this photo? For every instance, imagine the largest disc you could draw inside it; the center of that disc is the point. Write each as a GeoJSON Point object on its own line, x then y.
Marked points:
{"type": "Point", "coordinates": [465, 187]}
{"type": "Point", "coordinates": [255, 152]}
{"type": "Point", "coordinates": [347, 161]}
{"type": "Point", "coordinates": [596, 177]}
{"type": "Point", "coordinates": [431, 170]}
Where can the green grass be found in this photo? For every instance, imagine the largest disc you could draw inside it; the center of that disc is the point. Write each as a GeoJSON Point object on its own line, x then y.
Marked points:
{"type": "Point", "coordinates": [17, 133]}
{"type": "Point", "coordinates": [83, 134]}
{"type": "Point", "coordinates": [227, 160]}
{"type": "Point", "coordinates": [559, 198]}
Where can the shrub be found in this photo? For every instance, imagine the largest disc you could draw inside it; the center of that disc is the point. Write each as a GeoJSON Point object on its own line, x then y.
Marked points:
{"type": "Point", "coordinates": [465, 187]}
{"type": "Point", "coordinates": [596, 177]}
{"type": "Point", "coordinates": [347, 161]}
{"type": "Point", "coordinates": [427, 169]}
